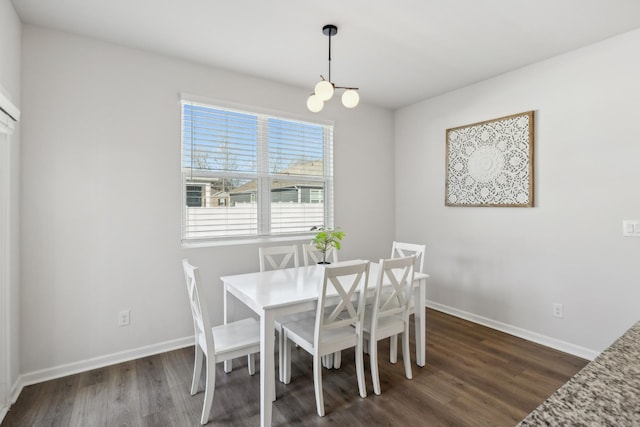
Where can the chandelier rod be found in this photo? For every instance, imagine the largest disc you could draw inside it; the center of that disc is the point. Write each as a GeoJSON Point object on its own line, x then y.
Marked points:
{"type": "Point", "coordinates": [329, 31]}
{"type": "Point", "coordinates": [330, 55]}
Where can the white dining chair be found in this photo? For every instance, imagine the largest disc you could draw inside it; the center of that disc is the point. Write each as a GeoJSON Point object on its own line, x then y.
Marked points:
{"type": "Point", "coordinates": [216, 344]}
{"type": "Point", "coordinates": [335, 329]}
{"type": "Point", "coordinates": [277, 258]}
{"type": "Point", "coordinates": [313, 256]}
{"type": "Point", "coordinates": [400, 250]}
{"type": "Point", "coordinates": [389, 315]}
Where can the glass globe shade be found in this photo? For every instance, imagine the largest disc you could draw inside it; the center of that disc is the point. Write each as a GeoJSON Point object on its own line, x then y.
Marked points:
{"type": "Point", "coordinates": [314, 104]}
{"type": "Point", "coordinates": [350, 98]}
{"type": "Point", "coordinates": [324, 90]}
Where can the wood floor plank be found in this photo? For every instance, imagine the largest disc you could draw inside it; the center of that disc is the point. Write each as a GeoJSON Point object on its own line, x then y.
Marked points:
{"type": "Point", "coordinates": [123, 397]}
{"type": "Point", "coordinates": [474, 376]}
{"type": "Point", "coordinates": [151, 378]}
{"type": "Point", "coordinates": [89, 407]}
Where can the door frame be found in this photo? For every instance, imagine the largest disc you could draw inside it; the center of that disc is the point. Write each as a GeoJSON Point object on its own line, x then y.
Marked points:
{"type": "Point", "coordinates": [9, 114]}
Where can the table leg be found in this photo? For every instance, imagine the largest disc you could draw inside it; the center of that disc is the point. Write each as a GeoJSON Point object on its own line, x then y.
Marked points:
{"type": "Point", "coordinates": [267, 367]}
{"type": "Point", "coordinates": [419, 295]}
{"type": "Point", "coordinates": [228, 318]}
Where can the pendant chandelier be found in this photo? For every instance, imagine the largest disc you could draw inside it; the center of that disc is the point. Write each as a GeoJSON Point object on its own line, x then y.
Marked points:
{"type": "Point", "coordinates": [325, 89]}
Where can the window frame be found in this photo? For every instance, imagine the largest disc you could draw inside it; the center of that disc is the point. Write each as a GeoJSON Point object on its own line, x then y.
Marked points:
{"type": "Point", "coordinates": [262, 176]}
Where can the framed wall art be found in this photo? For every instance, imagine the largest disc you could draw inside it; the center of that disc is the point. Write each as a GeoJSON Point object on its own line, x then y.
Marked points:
{"type": "Point", "coordinates": [491, 163]}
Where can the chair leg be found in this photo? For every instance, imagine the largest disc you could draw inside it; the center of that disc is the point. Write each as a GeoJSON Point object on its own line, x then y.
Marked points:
{"type": "Point", "coordinates": [406, 354]}
{"type": "Point", "coordinates": [280, 374]}
{"type": "Point", "coordinates": [373, 361]}
{"type": "Point", "coordinates": [327, 361]}
{"type": "Point", "coordinates": [251, 363]}
{"type": "Point", "coordinates": [360, 369]}
{"type": "Point", "coordinates": [317, 382]}
{"type": "Point", "coordinates": [197, 369]}
{"type": "Point", "coordinates": [210, 388]}
{"type": "Point", "coordinates": [393, 349]}
{"type": "Point", "coordinates": [281, 354]}
{"type": "Point", "coordinates": [337, 359]}
{"type": "Point", "coordinates": [285, 368]}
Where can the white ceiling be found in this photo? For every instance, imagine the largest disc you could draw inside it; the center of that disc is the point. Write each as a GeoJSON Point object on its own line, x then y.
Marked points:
{"type": "Point", "coordinates": [398, 52]}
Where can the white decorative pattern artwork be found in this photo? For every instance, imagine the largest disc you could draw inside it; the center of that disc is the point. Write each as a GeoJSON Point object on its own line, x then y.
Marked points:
{"type": "Point", "coordinates": [491, 163]}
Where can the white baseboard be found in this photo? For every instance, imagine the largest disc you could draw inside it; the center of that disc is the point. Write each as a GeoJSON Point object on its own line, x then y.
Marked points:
{"type": "Point", "coordinates": [16, 390]}
{"type": "Point", "coordinates": [96, 362]}
{"type": "Point", "coordinates": [563, 346]}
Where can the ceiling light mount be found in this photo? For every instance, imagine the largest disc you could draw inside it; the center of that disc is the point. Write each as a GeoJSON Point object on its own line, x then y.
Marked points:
{"type": "Point", "coordinates": [329, 30]}
{"type": "Point", "coordinates": [325, 88]}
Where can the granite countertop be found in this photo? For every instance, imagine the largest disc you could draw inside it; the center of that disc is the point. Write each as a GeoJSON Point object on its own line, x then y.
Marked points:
{"type": "Point", "coordinates": [606, 392]}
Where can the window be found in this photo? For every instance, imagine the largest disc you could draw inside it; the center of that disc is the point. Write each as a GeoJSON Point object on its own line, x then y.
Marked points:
{"type": "Point", "coordinates": [194, 195]}
{"type": "Point", "coordinates": [253, 175]}
{"type": "Point", "coordinates": [316, 196]}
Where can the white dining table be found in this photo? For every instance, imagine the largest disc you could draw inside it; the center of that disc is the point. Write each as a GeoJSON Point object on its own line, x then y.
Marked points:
{"type": "Point", "coordinates": [276, 293]}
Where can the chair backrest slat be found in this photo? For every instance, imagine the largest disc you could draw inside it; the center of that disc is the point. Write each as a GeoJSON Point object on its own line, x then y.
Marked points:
{"type": "Point", "coordinates": [394, 287]}
{"type": "Point", "coordinates": [201, 322]}
{"type": "Point", "coordinates": [349, 281]}
{"type": "Point", "coordinates": [278, 257]}
{"type": "Point", "coordinates": [402, 249]}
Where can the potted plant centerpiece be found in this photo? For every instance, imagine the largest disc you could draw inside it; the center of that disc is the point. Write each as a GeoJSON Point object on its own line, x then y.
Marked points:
{"type": "Point", "coordinates": [325, 239]}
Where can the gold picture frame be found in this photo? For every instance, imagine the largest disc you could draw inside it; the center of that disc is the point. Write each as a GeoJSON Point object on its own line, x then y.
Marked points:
{"type": "Point", "coordinates": [490, 163]}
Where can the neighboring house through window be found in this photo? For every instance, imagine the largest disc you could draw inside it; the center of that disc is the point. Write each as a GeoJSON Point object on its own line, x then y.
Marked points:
{"type": "Point", "coordinates": [253, 175]}
{"type": "Point", "coordinates": [194, 196]}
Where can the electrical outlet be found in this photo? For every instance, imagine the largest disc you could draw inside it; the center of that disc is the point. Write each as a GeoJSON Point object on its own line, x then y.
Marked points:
{"type": "Point", "coordinates": [123, 318]}
{"type": "Point", "coordinates": [558, 310]}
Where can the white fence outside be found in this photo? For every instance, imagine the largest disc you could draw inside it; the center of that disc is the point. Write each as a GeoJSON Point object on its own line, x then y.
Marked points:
{"type": "Point", "coordinates": [242, 219]}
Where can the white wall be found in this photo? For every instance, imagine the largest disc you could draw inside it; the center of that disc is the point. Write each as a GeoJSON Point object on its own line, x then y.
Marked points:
{"type": "Point", "coordinates": [507, 266]}
{"type": "Point", "coordinates": [10, 50]}
{"type": "Point", "coordinates": [10, 81]}
{"type": "Point", "coordinates": [101, 194]}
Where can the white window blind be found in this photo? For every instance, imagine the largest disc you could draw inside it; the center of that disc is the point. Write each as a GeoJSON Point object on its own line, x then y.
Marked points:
{"type": "Point", "coordinates": [247, 174]}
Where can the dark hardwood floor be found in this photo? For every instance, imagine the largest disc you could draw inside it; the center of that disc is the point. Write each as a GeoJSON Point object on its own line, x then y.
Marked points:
{"type": "Point", "coordinates": [475, 376]}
